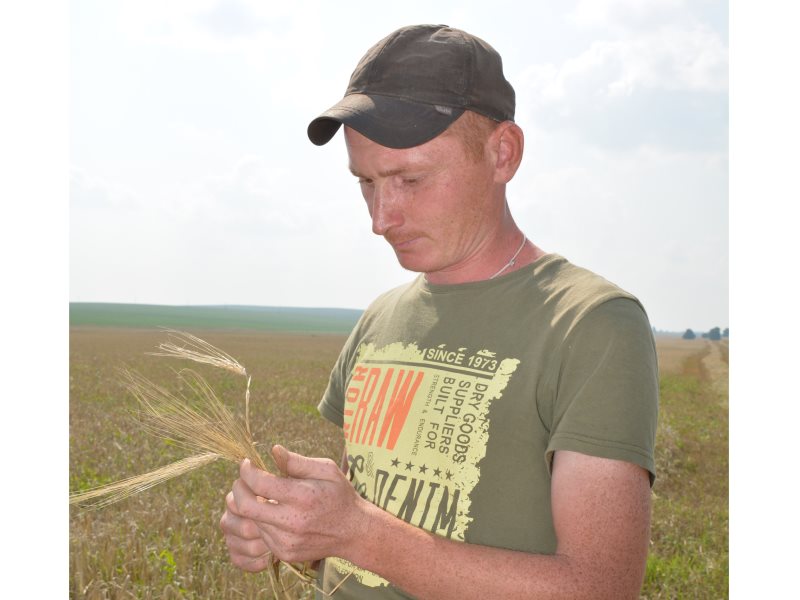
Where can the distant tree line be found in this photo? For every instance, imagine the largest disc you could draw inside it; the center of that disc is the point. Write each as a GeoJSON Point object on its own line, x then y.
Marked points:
{"type": "Point", "coordinates": [712, 334]}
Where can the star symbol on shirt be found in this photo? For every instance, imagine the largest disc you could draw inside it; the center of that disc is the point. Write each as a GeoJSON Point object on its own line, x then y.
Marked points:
{"type": "Point", "coordinates": [449, 475]}
{"type": "Point", "coordinates": [423, 469]}
{"type": "Point", "coordinates": [396, 462]}
{"type": "Point", "coordinates": [437, 471]}
{"type": "Point", "coordinates": [409, 466]}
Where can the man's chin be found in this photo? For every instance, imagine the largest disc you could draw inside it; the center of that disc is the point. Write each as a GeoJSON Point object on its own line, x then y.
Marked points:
{"type": "Point", "coordinates": [411, 262]}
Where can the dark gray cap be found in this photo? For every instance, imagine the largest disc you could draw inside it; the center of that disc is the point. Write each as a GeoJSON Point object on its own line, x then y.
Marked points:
{"type": "Point", "coordinates": [413, 84]}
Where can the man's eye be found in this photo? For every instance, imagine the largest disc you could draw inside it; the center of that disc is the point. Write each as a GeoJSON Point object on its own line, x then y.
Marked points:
{"type": "Point", "coordinates": [363, 181]}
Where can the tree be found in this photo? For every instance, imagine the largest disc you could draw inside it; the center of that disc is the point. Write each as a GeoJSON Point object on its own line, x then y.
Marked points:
{"type": "Point", "coordinates": [689, 335]}
{"type": "Point", "coordinates": [714, 334]}
{"type": "Point", "coordinates": [725, 333]}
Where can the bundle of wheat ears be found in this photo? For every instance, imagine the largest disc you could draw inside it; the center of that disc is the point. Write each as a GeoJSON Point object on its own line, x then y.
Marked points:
{"type": "Point", "coordinates": [204, 426]}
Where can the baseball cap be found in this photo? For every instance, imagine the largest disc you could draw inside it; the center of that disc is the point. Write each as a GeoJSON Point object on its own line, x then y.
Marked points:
{"type": "Point", "coordinates": [413, 84]}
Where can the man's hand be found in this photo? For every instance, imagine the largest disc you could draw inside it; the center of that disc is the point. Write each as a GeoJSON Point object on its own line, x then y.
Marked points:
{"type": "Point", "coordinates": [310, 514]}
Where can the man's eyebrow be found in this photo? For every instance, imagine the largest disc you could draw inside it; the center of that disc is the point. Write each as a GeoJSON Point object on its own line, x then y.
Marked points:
{"type": "Point", "coordinates": [389, 173]}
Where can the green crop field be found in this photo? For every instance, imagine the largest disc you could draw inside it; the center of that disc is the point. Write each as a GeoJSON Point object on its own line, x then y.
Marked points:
{"type": "Point", "coordinates": [250, 318]}
{"type": "Point", "coordinates": [166, 543]}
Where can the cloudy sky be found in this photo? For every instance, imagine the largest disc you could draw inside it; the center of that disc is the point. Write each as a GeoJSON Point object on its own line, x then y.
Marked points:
{"type": "Point", "coordinates": [192, 180]}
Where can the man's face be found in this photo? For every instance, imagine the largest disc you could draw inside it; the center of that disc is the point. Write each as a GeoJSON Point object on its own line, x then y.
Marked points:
{"type": "Point", "coordinates": [433, 203]}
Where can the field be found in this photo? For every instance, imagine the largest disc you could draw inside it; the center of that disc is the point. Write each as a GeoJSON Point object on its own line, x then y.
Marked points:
{"type": "Point", "coordinates": [689, 549]}
{"type": "Point", "coordinates": [251, 318]}
{"type": "Point", "coordinates": [166, 543]}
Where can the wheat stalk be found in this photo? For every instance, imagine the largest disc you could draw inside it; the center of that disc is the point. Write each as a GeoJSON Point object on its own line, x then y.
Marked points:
{"type": "Point", "coordinates": [101, 496]}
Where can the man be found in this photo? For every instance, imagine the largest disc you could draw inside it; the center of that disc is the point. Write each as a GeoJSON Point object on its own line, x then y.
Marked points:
{"type": "Point", "coordinates": [499, 411]}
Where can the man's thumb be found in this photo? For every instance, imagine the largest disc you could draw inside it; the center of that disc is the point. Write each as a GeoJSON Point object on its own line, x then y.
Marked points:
{"type": "Point", "coordinates": [298, 466]}
{"type": "Point", "coordinates": [281, 457]}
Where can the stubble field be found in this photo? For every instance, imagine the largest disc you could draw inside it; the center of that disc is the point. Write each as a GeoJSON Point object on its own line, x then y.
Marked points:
{"type": "Point", "coordinates": [166, 543]}
{"type": "Point", "coordinates": [689, 548]}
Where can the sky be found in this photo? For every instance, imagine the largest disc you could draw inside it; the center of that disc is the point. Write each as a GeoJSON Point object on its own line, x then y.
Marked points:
{"type": "Point", "coordinates": [192, 180]}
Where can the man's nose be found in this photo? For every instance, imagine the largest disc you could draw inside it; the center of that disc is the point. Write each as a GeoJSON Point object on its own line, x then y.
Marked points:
{"type": "Point", "coordinates": [385, 209]}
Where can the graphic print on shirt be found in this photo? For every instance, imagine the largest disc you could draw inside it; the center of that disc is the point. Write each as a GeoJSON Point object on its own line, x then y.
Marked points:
{"type": "Point", "coordinates": [416, 426]}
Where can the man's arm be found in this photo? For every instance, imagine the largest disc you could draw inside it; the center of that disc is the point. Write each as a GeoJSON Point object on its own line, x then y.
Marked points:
{"type": "Point", "coordinates": [601, 513]}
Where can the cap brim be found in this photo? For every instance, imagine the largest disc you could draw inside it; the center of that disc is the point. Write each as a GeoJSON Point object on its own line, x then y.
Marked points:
{"type": "Point", "coordinates": [388, 121]}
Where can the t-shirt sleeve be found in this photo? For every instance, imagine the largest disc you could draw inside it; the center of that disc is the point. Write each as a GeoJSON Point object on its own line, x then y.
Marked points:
{"type": "Point", "coordinates": [606, 400]}
{"type": "Point", "coordinates": [332, 404]}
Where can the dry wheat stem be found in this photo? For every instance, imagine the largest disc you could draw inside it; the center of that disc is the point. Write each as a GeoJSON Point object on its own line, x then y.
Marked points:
{"type": "Point", "coordinates": [101, 496]}
{"type": "Point", "coordinates": [247, 406]}
{"type": "Point", "coordinates": [275, 579]}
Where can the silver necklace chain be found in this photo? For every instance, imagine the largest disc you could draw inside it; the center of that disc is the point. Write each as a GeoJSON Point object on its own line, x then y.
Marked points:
{"type": "Point", "coordinates": [513, 258]}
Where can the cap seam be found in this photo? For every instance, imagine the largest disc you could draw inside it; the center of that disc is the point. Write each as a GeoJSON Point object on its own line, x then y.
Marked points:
{"type": "Point", "coordinates": [372, 64]}
{"type": "Point", "coordinates": [467, 85]}
{"type": "Point", "coordinates": [408, 98]}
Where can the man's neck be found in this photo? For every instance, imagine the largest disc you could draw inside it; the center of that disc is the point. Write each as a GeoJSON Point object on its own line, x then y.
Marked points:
{"type": "Point", "coordinates": [511, 252]}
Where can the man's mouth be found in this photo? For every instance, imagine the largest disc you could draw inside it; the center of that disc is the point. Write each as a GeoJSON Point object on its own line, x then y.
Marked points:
{"type": "Point", "coordinates": [401, 243]}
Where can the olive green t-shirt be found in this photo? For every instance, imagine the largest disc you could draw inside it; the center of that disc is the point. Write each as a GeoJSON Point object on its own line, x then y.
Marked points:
{"type": "Point", "coordinates": [453, 398]}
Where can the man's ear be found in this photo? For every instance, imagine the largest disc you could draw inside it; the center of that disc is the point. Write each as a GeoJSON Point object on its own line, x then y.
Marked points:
{"type": "Point", "coordinates": [507, 143]}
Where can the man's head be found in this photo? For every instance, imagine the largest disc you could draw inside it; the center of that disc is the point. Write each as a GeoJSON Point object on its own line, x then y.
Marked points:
{"type": "Point", "coordinates": [430, 136]}
{"type": "Point", "coordinates": [415, 83]}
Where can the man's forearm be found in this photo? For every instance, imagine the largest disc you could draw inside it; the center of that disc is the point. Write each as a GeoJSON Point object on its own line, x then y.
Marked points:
{"type": "Point", "coordinates": [430, 566]}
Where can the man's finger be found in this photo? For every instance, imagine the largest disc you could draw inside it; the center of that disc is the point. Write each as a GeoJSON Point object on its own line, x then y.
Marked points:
{"type": "Point", "coordinates": [246, 547]}
{"type": "Point", "coordinates": [252, 564]}
{"type": "Point", "coordinates": [234, 525]}
{"type": "Point", "coordinates": [266, 505]}
{"type": "Point", "coordinates": [258, 483]}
